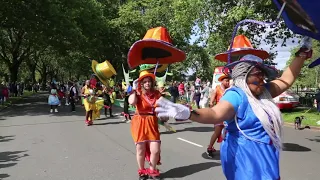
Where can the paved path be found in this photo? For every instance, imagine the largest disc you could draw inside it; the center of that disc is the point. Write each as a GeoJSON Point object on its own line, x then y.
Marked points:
{"type": "Point", "coordinates": [37, 145]}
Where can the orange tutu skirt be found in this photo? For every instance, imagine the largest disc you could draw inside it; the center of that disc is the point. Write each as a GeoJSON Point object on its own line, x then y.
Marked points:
{"type": "Point", "coordinates": [144, 128]}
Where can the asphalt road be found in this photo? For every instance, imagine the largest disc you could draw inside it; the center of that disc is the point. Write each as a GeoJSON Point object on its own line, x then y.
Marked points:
{"type": "Point", "coordinates": [37, 145]}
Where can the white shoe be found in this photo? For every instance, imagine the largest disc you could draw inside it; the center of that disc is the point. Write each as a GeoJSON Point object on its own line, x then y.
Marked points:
{"type": "Point", "coordinates": [129, 121]}
{"type": "Point", "coordinates": [56, 110]}
{"type": "Point", "coordinates": [51, 110]}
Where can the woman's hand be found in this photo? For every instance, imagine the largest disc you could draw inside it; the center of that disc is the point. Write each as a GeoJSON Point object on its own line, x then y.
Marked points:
{"type": "Point", "coordinates": [166, 108]}
{"type": "Point", "coordinates": [135, 84]}
{"type": "Point", "coordinates": [291, 73]}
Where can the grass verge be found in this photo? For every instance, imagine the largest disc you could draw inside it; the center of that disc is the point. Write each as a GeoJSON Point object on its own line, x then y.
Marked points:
{"type": "Point", "coordinates": [14, 100]}
{"type": "Point", "coordinates": [312, 116]}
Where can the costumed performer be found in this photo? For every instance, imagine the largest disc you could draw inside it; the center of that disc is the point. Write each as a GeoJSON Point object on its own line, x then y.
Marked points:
{"type": "Point", "coordinates": [53, 100]}
{"type": "Point", "coordinates": [99, 101]}
{"type": "Point", "coordinates": [155, 48]}
{"type": "Point", "coordinates": [112, 95]}
{"type": "Point", "coordinates": [73, 96]}
{"type": "Point", "coordinates": [164, 121]}
{"type": "Point", "coordinates": [144, 124]}
{"type": "Point", "coordinates": [126, 112]}
{"type": "Point", "coordinates": [89, 101]}
{"type": "Point", "coordinates": [105, 72]}
{"type": "Point", "coordinates": [216, 95]}
{"type": "Point", "coordinates": [253, 141]}
{"type": "Point", "coordinates": [107, 101]}
{"type": "Point", "coordinates": [85, 86]}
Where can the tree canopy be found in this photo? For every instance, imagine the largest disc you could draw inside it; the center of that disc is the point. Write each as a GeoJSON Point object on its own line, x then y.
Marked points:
{"type": "Point", "coordinates": [41, 40]}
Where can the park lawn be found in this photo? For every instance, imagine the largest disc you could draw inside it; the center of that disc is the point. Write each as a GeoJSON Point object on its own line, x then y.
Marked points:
{"type": "Point", "coordinates": [311, 115]}
{"type": "Point", "coordinates": [13, 100]}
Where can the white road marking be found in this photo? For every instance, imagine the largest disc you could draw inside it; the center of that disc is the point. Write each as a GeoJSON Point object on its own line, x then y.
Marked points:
{"type": "Point", "coordinates": [190, 142]}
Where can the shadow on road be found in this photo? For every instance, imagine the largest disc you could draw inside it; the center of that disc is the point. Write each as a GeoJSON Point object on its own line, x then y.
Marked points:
{"type": "Point", "coordinates": [215, 157]}
{"type": "Point", "coordinates": [10, 158]}
{"type": "Point", "coordinates": [2, 176]}
{"type": "Point", "coordinates": [194, 129]}
{"type": "Point", "coordinates": [184, 171]}
{"type": "Point", "coordinates": [314, 140]}
{"type": "Point", "coordinates": [107, 123]}
{"type": "Point", "coordinates": [6, 138]}
{"type": "Point", "coordinates": [178, 123]}
{"type": "Point", "coordinates": [294, 147]}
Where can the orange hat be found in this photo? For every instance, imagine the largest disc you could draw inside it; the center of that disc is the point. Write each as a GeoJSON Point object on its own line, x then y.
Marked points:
{"type": "Point", "coordinates": [242, 46]}
{"type": "Point", "coordinates": [155, 46]}
{"type": "Point", "coordinates": [144, 74]}
{"type": "Point", "coordinates": [223, 76]}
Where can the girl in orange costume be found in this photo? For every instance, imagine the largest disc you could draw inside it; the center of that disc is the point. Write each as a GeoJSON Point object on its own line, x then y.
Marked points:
{"type": "Point", "coordinates": [144, 124]}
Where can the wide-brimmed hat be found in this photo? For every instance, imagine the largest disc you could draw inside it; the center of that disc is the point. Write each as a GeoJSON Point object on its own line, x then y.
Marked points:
{"type": "Point", "coordinates": [145, 74]}
{"type": "Point", "coordinates": [240, 47]}
{"type": "Point", "coordinates": [103, 71]}
{"type": "Point", "coordinates": [270, 71]}
{"type": "Point", "coordinates": [156, 46]}
{"type": "Point", "coordinates": [223, 76]}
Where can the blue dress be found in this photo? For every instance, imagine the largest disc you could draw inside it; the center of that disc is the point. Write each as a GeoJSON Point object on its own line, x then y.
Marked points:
{"type": "Point", "coordinates": [53, 100]}
{"type": "Point", "coordinates": [243, 158]}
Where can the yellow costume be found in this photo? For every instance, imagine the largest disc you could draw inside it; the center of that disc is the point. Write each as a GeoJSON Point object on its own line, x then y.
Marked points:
{"type": "Point", "coordinates": [88, 106]}
{"type": "Point", "coordinates": [113, 96]}
{"type": "Point", "coordinates": [111, 83]}
{"type": "Point", "coordinates": [95, 105]}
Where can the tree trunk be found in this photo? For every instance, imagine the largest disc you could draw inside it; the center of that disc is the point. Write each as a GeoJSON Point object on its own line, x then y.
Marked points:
{"type": "Point", "coordinates": [43, 76]}
{"type": "Point", "coordinates": [33, 75]}
{"type": "Point", "coordinates": [13, 69]}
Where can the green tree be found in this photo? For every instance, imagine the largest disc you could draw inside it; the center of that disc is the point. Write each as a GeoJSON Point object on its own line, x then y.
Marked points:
{"type": "Point", "coordinates": [309, 77]}
{"type": "Point", "coordinates": [65, 25]}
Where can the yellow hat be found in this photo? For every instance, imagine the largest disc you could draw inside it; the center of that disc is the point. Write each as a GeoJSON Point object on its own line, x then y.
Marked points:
{"type": "Point", "coordinates": [144, 74]}
{"type": "Point", "coordinates": [103, 71]}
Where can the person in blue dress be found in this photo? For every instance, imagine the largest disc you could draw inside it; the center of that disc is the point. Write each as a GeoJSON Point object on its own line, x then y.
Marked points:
{"type": "Point", "coordinates": [251, 147]}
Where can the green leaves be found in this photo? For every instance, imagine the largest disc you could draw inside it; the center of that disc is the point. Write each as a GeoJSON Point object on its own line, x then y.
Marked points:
{"type": "Point", "coordinates": [69, 31]}
{"type": "Point", "coordinates": [308, 77]}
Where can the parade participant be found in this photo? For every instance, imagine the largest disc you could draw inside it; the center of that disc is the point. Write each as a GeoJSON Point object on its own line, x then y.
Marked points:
{"type": "Point", "coordinates": [205, 96]}
{"type": "Point", "coordinates": [110, 96]}
{"type": "Point", "coordinates": [155, 48]}
{"type": "Point", "coordinates": [73, 96]}
{"type": "Point", "coordinates": [89, 100]}
{"type": "Point", "coordinates": [105, 72]}
{"type": "Point", "coordinates": [216, 95]}
{"type": "Point", "coordinates": [83, 90]}
{"type": "Point", "coordinates": [253, 142]}
{"type": "Point", "coordinates": [144, 124]}
{"type": "Point", "coordinates": [53, 100]}
{"type": "Point", "coordinates": [126, 112]}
